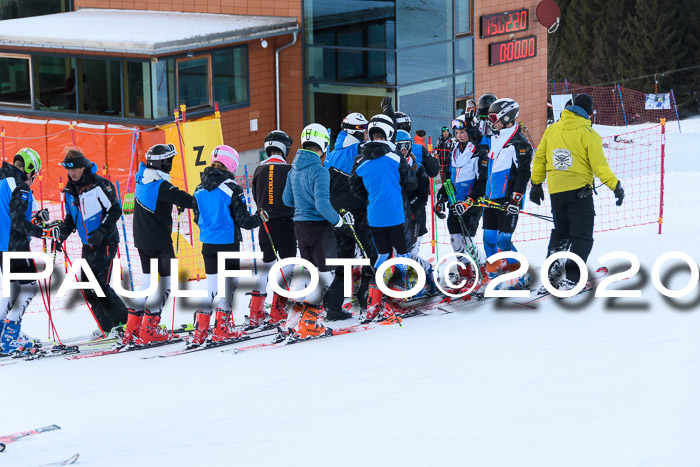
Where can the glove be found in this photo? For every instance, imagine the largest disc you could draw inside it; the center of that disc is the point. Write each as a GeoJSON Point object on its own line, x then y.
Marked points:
{"type": "Point", "coordinates": [512, 207]}
{"type": "Point", "coordinates": [536, 194]}
{"type": "Point", "coordinates": [461, 207]}
{"type": "Point", "coordinates": [440, 209]}
{"type": "Point", "coordinates": [346, 218]}
{"type": "Point", "coordinates": [52, 232]}
{"type": "Point", "coordinates": [442, 195]}
{"type": "Point", "coordinates": [474, 133]}
{"type": "Point", "coordinates": [386, 105]}
{"type": "Point", "coordinates": [264, 216]}
{"type": "Point", "coordinates": [40, 217]}
{"type": "Point", "coordinates": [95, 238]}
{"type": "Point", "coordinates": [619, 193]}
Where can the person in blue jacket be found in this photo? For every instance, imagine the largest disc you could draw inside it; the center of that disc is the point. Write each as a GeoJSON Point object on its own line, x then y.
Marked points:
{"type": "Point", "coordinates": [220, 212]}
{"type": "Point", "coordinates": [155, 197]}
{"type": "Point", "coordinates": [307, 191]}
{"type": "Point", "coordinates": [384, 177]}
{"type": "Point", "coordinates": [339, 163]}
{"type": "Point", "coordinates": [93, 209]}
{"type": "Point", "coordinates": [16, 227]}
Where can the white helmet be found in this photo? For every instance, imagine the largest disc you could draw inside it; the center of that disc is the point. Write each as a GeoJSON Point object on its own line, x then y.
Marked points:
{"type": "Point", "coordinates": [315, 134]}
{"type": "Point", "coordinates": [381, 123]}
{"type": "Point", "coordinates": [355, 125]}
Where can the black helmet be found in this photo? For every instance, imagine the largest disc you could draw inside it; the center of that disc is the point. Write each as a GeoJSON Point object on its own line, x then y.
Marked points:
{"type": "Point", "coordinates": [160, 157]}
{"type": "Point", "coordinates": [485, 102]}
{"type": "Point", "coordinates": [503, 110]}
{"type": "Point", "coordinates": [403, 121]}
{"type": "Point", "coordinates": [278, 139]}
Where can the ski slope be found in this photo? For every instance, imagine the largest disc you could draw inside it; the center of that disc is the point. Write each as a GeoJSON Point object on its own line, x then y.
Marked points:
{"type": "Point", "coordinates": [606, 384]}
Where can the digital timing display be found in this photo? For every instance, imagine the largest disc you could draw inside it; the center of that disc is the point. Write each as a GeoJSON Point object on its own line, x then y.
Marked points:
{"type": "Point", "coordinates": [505, 23]}
{"type": "Point", "coordinates": [510, 51]}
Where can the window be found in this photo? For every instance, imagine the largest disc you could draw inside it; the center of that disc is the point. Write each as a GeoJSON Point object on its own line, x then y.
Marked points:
{"type": "Point", "coordinates": [231, 76]}
{"type": "Point", "coordinates": [55, 86]}
{"type": "Point", "coordinates": [429, 104]}
{"type": "Point", "coordinates": [164, 88]}
{"type": "Point", "coordinates": [137, 90]}
{"type": "Point", "coordinates": [15, 80]}
{"type": "Point", "coordinates": [423, 22]}
{"type": "Point", "coordinates": [348, 22]}
{"type": "Point", "coordinates": [421, 63]}
{"type": "Point", "coordinates": [99, 89]}
{"type": "Point", "coordinates": [345, 65]}
{"type": "Point", "coordinates": [11, 9]}
{"type": "Point", "coordinates": [463, 17]}
{"type": "Point", "coordinates": [194, 82]}
{"type": "Point", "coordinates": [464, 54]}
{"type": "Point", "coordinates": [464, 85]}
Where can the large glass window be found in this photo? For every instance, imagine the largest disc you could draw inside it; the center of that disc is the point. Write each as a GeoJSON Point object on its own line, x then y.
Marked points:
{"type": "Point", "coordinates": [11, 9]}
{"type": "Point", "coordinates": [137, 89]}
{"type": "Point", "coordinates": [464, 55]}
{"type": "Point", "coordinates": [164, 88]}
{"type": "Point", "coordinates": [345, 65]}
{"type": "Point", "coordinates": [421, 63]}
{"type": "Point", "coordinates": [55, 84]}
{"type": "Point", "coordinates": [429, 104]}
{"type": "Point", "coordinates": [15, 84]}
{"type": "Point", "coordinates": [350, 23]}
{"type": "Point", "coordinates": [99, 90]}
{"type": "Point", "coordinates": [423, 22]}
{"type": "Point", "coordinates": [230, 68]}
{"type": "Point", "coordinates": [328, 104]}
{"type": "Point", "coordinates": [464, 85]}
{"type": "Point", "coordinates": [463, 17]}
{"type": "Point", "coordinates": [193, 82]}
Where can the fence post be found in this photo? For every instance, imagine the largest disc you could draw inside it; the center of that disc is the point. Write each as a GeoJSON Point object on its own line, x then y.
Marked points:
{"type": "Point", "coordinates": [622, 103]}
{"type": "Point", "coordinates": [663, 157]}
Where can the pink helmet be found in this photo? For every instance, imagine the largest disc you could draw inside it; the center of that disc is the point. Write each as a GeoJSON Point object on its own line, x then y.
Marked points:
{"type": "Point", "coordinates": [227, 156]}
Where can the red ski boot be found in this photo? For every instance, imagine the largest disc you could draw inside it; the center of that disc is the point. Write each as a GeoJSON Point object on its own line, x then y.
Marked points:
{"type": "Point", "coordinates": [224, 327]}
{"type": "Point", "coordinates": [278, 312]}
{"type": "Point", "coordinates": [257, 310]}
{"type": "Point", "coordinates": [201, 329]}
{"type": "Point", "coordinates": [151, 332]}
{"type": "Point", "coordinates": [132, 329]}
{"type": "Point", "coordinates": [309, 326]}
{"type": "Point", "coordinates": [374, 304]}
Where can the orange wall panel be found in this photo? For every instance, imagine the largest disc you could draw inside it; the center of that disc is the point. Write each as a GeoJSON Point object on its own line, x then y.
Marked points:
{"type": "Point", "coordinates": [8, 143]}
{"type": "Point", "coordinates": [58, 139]}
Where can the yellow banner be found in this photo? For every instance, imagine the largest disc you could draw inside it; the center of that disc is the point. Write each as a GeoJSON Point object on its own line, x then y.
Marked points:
{"type": "Point", "coordinates": [195, 140]}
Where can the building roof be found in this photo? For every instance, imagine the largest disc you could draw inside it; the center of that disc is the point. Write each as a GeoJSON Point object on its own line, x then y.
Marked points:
{"type": "Point", "coordinates": [138, 32]}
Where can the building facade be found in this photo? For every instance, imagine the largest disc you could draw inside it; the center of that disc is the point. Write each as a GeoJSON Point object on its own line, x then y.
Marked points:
{"type": "Point", "coordinates": [316, 60]}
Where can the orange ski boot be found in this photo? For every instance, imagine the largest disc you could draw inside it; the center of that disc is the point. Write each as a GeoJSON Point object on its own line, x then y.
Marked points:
{"type": "Point", "coordinates": [309, 326]}
{"type": "Point", "coordinates": [151, 332]}
{"type": "Point", "coordinates": [132, 329]}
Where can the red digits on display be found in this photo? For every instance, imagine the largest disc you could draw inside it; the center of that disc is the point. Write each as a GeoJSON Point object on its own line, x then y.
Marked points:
{"type": "Point", "coordinates": [514, 50]}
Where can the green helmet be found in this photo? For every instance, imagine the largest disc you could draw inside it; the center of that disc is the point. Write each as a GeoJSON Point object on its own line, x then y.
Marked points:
{"type": "Point", "coordinates": [31, 159]}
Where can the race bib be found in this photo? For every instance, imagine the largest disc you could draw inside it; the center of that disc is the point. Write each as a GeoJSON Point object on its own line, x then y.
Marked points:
{"type": "Point", "coordinates": [562, 159]}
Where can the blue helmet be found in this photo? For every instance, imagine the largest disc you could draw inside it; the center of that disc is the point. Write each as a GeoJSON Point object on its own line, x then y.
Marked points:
{"type": "Point", "coordinates": [403, 140]}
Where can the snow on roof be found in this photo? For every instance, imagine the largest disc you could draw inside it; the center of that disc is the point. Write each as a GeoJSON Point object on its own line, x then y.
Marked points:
{"type": "Point", "coordinates": [139, 32]}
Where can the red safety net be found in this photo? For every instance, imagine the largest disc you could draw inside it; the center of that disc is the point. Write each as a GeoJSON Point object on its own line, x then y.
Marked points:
{"type": "Point", "coordinates": [615, 105]}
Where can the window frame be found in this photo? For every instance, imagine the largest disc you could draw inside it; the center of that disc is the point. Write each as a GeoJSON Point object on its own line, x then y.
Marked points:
{"type": "Point", "coordinates": [31, 104]}
{"type": "Point", "coordinates": [470, 31]}
{"type": "Point", "coordinates": [210, 79]}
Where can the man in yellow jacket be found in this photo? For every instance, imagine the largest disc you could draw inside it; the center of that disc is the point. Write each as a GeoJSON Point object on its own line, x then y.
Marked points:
{"type": "Point", "coordinates": [570, 155]}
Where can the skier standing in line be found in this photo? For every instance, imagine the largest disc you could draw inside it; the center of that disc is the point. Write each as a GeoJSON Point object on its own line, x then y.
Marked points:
{"type": "Point", "coordinates": [269, 180]}
{"type": "Point", "coordinates": [153, 225]}
{"type": "Point", "coordinates": [509, 172]}
{"type": "Point", "coordinates": [339, 164]}
{"type": "Point", "coordinates": [16, 226]}
{"type": "Point", "coordinates": [570, 155]}
{"type": "Point", "coordinates": [417, 200]}
{"type": "Point", "coordinates": [220, 212]}
{"type": "Point", "coordinates": [384, 177]}
{"type": "Point", "coordinates": [445, 144]}
{"type": "Point", "coordinates": [308, 192]}
{"type": "Point", "coordinates": [469, 172]}
{"type": "Point", "coordinates": [92, 208]}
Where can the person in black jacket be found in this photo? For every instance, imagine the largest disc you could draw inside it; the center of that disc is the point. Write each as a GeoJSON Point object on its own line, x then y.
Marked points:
{"type": "Point", "coordinates": [445, 143]}
{"type": "Point", "coordinates": [269, 180]}
{"type": "Point", "coordinates": [153, 225]}
{"type": "Point", "coordinates": [430, 162]}
{"type": "Point", "coordinates": [92, 208]}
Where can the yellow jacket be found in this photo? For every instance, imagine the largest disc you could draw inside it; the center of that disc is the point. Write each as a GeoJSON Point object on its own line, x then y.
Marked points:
{"type": "Point", "coordinates": [570, 154]}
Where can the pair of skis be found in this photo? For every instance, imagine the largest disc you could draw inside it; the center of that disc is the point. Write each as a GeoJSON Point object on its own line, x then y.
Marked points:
{"type": "Point", "coordinates": [7, 439]}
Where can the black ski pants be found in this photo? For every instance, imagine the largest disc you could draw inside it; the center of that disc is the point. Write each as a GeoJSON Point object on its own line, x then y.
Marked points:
{"type": "Point", "coordinates": [109, 310]}
{"type": "Point", "coordinates": [574, 216]}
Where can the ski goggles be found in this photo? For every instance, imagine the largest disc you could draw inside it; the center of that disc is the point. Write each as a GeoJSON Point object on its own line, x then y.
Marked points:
{"type": "Point", "coordinates": [404, 145]}
{"type": "Point", "coordinates": [75, 163]}
{"type": "Point", "coordinates": [493, 118]}
{"type": "Point", "coordinates": [458, 124]}
{"type": "Point", "coordinates": [362, 126]}
{"type": "Point", "coordinates": [445, 128]}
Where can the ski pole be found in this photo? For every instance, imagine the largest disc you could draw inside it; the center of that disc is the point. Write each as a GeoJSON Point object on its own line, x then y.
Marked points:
{"type": "Point", "coordinates": [468, 244]}
{"type": "Point", "coordinates": [487, 203]}
{"type": "Point", "coordinates": [126, 245]}
{"type": "Point", "coordinates": [177, 251]}
{"type": "Point", "coordinates": [364, 253]}
{"type": "Point", "coordinates": [274, 250]}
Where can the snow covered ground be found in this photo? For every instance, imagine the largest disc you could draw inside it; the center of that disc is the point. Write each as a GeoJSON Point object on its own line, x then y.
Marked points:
{"type": "Point", "coordinates": [611, 384]}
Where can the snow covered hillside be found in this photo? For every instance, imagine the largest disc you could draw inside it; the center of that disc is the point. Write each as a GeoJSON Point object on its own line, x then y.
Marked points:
{"type": "Point", "coordinates": [607, 383]}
